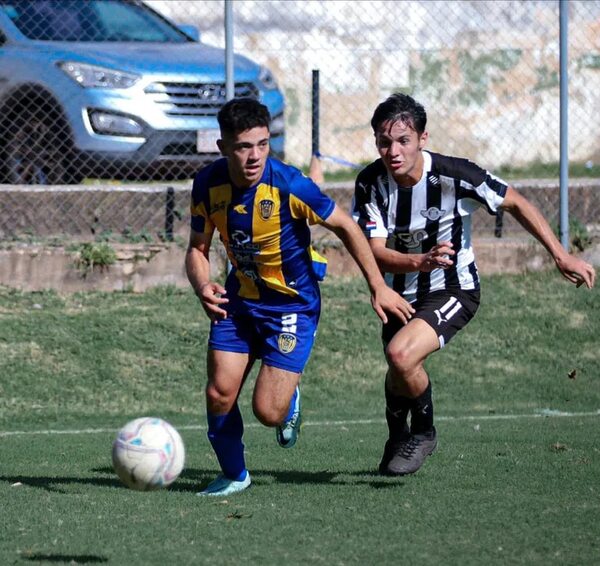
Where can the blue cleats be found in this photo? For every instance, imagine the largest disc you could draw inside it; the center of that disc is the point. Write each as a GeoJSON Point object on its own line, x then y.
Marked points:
{"type": "Point", "coordinates": [287, 433]}
{"type": "Point", "coordinates": [222, 486]}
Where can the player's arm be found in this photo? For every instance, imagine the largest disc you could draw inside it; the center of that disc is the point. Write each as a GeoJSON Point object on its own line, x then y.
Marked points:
{"type": "Point", "coordinates": [572, 268]}
{"type": "Point", "coordinates": [383, 298]}
{"type": "Point", "coordinates": [392, 261]}
{"type": "Point", "coordinates": [197, 267]}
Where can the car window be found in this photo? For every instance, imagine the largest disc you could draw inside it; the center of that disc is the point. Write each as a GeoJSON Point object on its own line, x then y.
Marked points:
{"type": "Point", "coordinates": [93, 20]}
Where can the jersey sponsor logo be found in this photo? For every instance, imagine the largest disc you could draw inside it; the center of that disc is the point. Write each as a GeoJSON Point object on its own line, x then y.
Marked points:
{"type": "Point", "coordinates": [240, 209]}
{"type": "Point", "coordinates": [241, 241]}
{"type": "Point", "coordinates": [448, 310]}
{"type": "Point", "coordinates": [266, 207]}
{"type": "Point", "coordinates": [433, 213]}
{"type": "Point", "coordinates": [411, 239]}
{"type": "Point", "coordinates": [240, 238]}
{"type": "Point", "coordinates": [243, 251]}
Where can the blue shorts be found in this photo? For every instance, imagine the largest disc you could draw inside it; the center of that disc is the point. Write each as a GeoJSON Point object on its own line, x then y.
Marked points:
{"type": "Point", "coordinates": [282, 340]}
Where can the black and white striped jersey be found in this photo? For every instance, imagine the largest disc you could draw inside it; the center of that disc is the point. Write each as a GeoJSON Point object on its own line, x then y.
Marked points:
{"type": "Point", "coordinates": [438, 208]}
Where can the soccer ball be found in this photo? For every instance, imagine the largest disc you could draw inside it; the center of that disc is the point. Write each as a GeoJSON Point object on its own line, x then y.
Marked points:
{"type": "Point", "coordinates": [147, 454]}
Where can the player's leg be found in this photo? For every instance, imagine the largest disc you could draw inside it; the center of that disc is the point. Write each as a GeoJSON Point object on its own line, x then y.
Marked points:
{"type": "Point", "coordinates": [408, 390]}
{"type": "Point", "coordinates": [276, 402]}
{"type": "Point", "coordinates": [228, 363]}
{"type": "Point", "coordinates": [438, 317]}
{"type": "Point", "coordinates": [273, 394]}
{"type": "Point", "coordinates": [227, 372]}
{"type": "Point", "coordinates": [287, 343]}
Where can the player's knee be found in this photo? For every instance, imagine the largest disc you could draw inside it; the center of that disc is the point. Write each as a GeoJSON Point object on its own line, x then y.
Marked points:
{"type": "Point", "coordinates": [219, 400]}
{"type": "Point", "coordinates": [269, 414]}
{"type": "Point", "coordinates": [400, 360]}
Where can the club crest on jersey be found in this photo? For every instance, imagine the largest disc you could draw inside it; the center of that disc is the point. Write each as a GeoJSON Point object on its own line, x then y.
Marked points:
{"type": "Point", "coordinates": [266, 207]}
{"type": "Point", "coordinates": [286, 342]}
{"type": "Point", "coordinates": [433, 213]}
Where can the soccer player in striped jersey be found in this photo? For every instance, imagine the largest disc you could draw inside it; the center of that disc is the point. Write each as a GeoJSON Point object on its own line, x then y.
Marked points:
{"type": "Point", "coordinates": [270, 304]}
{"type": "Point", "coordinates": [415, 208]}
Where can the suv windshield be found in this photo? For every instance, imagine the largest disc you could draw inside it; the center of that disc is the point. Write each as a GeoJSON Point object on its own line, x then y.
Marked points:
{"type": "Point", "coordinates": [93, 20]}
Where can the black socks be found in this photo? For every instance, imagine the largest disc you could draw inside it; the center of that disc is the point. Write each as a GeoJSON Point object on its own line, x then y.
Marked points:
{"type": "Point", "coordinates": [398, 408]}
{"type": "Point", "coordinates": [421, 421]}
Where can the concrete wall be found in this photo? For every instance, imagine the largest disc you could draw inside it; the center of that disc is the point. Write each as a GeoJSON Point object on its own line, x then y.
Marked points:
{"type": "Point", "coordinates": [139, 267]}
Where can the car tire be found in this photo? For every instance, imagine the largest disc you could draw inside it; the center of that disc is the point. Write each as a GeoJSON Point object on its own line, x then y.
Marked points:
{"type": "Point", "coordinates": [37, 151]}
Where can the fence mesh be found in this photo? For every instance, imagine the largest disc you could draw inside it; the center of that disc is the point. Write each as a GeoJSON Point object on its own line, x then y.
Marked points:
{"type": "Point", "coordinates": [102, 92]}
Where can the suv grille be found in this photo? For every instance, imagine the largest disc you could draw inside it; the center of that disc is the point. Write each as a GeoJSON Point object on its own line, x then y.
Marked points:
{"type": "Point", "coordinates": [195, 99]}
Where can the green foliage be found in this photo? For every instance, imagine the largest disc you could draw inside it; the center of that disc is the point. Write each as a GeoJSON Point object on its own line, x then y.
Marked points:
{"type": "Point", "coordinates": [546, 78]}
{"type": "Point", "coordinates": [92, 254]}
{"type": "Point", "coordinates": [424, 77]}
{"type": "Point", "coordinates": [579, 236]}
{"type": "Point", "coordinates": [131, 237]}
{"type": "Point", "coordinates": [481, 70]}
{"type": "Point", "coordinates": [548, 170]}
{"type": "Point", "coordinates": [589, 61]}
{"type": "Point", "coordinates": [535, 170]}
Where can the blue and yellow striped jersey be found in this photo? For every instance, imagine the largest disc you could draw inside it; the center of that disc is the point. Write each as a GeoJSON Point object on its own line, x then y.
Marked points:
{"type": "Point", "coordinates": [265, 231]}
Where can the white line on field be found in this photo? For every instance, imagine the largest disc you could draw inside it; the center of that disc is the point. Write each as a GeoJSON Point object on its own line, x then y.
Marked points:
{"type": "Point", "coordinates": [542, 413]}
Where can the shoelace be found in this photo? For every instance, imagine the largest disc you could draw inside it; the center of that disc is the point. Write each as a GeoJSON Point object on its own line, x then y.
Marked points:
{"type": "Point", "coordinates": [407, 449]}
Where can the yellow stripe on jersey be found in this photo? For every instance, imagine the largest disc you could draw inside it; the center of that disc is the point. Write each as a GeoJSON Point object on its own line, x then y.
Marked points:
{"type": "Point", "coordinates": [300, 209]}
{"type": "Point", "coordinates": [220, 197]}
{"type": "Point", "coordinates": [200, 210]}
{"type": "Point", "coordinates": [266, 231]}
{"type": "Point", "coordinates": [248, 288]}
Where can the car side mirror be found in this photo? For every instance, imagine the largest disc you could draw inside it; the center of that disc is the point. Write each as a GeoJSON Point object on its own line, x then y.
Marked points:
{"type": "Point", "coordinates": [190, 30]}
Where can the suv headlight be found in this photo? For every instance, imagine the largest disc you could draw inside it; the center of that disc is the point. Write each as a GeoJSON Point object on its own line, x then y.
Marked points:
{"type": "Point", "coordinates": [92, 76]}
{"type": "Point", "coordinates": [267, 79]}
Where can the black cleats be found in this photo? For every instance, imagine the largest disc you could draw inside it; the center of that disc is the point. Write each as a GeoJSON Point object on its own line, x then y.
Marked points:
{"type": "Point", "coordinates": [406, 454]}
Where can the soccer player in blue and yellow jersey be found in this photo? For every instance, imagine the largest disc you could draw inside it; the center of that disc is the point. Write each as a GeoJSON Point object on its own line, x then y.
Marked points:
{"type": "Point", "coordinates": [270, 305]}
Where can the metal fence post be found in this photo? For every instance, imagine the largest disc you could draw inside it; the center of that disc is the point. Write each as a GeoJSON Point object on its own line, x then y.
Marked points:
{"type": "Point", "coordinates": [564, 124]}
{"type": "Point", "coordinates": [169, 213]}
{"type": "Point", "coordinates": [315, 170]}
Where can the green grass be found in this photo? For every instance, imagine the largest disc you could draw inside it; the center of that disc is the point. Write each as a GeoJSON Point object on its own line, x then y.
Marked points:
{"type": "Point", "coordinates": [511, 482]}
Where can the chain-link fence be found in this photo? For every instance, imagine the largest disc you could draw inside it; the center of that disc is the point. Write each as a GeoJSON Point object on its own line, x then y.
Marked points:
{"type": "Point", "coordinates": [105, 91]}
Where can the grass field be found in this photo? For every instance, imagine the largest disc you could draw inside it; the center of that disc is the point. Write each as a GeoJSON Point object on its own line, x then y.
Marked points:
{"type": "Point", "coordinates": [515, 480]}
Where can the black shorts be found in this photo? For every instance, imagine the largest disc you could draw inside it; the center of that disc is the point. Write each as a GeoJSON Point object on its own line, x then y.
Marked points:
{"type": "Point", "coordinates": [446, 311]}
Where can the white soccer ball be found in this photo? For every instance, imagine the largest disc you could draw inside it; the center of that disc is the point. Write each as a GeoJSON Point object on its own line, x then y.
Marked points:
{"type": "Point", "coordinates": [148, 453]}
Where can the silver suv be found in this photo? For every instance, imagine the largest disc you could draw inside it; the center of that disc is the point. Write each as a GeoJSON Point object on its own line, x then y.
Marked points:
{"type": "Point", "coordinates": [110, 88]}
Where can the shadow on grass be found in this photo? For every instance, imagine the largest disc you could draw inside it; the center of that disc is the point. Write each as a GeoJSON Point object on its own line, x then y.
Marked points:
{"type": "Point", "coordinates": [66, 558]}
{"type": "Point", "coordinates": [194, 479]}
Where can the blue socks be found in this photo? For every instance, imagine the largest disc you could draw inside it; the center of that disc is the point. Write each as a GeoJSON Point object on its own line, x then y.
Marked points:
{"type": "Point", "coordinates": [225, 434]}
{"type": "Point", "coordinates": [292, 405]}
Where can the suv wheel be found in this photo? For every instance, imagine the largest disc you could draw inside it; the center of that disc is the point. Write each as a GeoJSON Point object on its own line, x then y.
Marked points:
{"type": "Point", "coordinates": [36, 151]}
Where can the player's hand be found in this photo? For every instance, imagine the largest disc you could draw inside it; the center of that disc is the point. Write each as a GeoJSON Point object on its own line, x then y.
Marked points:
{"type": "Point", "coordinates": [438, 257]}
{"type": "Point", "coordinates": [385, 300]}
{"type": "Point", "coordinates": [577, 271]}
{"type": "Point", "coordinates": [211, 296]}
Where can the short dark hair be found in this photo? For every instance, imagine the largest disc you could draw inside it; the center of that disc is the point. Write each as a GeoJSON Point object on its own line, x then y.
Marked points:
{"type": "Point", "coordinates": [400, 107]}
{"type": "Point", "coordinates": [241, 114]}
